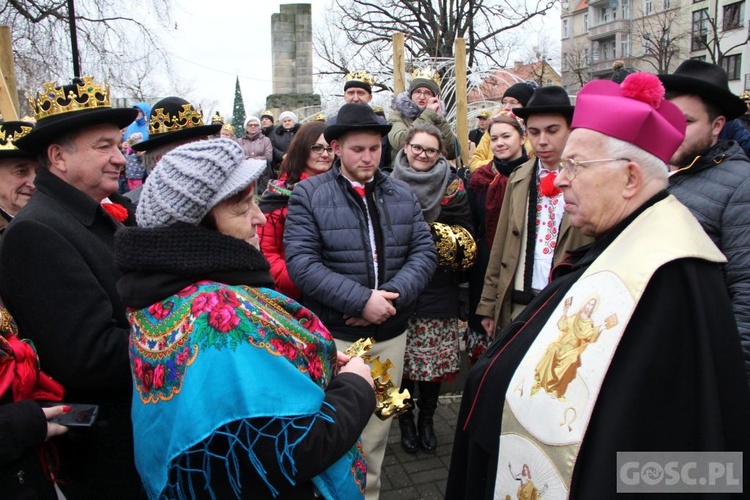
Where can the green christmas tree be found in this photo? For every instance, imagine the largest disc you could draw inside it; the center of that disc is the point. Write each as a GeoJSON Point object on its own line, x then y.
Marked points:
{"type": "Point", "coordinates": [238, 111]}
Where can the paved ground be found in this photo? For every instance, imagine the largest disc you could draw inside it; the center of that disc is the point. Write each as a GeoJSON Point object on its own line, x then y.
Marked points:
{"type": "Point", "coordinates": [423, 476]}
{"type": "Point", "coordinates": [420, 476]}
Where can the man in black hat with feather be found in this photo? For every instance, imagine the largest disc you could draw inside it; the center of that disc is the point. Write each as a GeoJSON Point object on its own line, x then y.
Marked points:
{"type": "Point", "coordinates": [712, 177]}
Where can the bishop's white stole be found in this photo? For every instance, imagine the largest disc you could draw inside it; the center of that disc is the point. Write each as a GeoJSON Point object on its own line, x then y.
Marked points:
{"type": "Point", "coordinates": [551, 396]}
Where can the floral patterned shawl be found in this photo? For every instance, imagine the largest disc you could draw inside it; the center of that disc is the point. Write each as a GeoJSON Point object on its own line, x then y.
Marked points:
{"type": "Point", "coordinates": [244, 346]}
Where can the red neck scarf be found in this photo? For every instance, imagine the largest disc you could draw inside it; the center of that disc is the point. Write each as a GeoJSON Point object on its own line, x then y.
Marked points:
{"type": "Point", "coordinates": [19, 366]}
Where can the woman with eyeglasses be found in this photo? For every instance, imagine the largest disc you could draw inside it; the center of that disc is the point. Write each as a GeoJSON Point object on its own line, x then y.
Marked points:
{"type": "Point", "coordinates": [257, 146]}
{"type": "Point", "coordinates": [432, 339]}
{"type": "Point", "coordinates": [309, 155]}
{"type": "Point", "coordinates": [420, 105]}
{"type": "Point", "coordinates": [486, 191]}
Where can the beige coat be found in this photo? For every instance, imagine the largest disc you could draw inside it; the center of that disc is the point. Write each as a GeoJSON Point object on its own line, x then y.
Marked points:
{"type": "Point", "coordinates": [506, 248]}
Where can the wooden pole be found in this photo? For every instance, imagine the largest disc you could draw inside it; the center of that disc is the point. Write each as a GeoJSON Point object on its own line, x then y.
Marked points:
{"type": "Point", "coordinates": [8, 93]}
{"type": "Point", "coordinates": [399, 64]}
{"type": "Point", "coordinates": [462, 129]}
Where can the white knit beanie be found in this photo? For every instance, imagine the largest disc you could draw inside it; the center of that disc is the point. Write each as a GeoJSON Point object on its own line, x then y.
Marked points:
{"type": "Point", "coordinates": [288, 114]}
{"type": "Point", "coordinates": [252, 119]}
{"type": "Point", "coordinates": [192, 179]}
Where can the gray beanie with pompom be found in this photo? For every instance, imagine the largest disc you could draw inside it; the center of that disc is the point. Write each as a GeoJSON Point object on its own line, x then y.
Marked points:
{"type": "Point", "coordinates": [192, 179]}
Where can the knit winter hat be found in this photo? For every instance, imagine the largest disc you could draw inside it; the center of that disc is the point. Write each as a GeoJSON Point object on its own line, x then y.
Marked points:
{"type": "Point", "coordinates": [288, 114]}
{"type": "Point", "coordinates": [252, 119]}
{"type": "Point", "coordinates": [192, 179]}
{"type": "Point", "coordinates": [520, 91]}
{"type": "Point", "coordinates": [424, 82]}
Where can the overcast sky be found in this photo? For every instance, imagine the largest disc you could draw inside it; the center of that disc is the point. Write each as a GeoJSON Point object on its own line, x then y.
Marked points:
{"type": "Point", "coordinates": [211, 46]}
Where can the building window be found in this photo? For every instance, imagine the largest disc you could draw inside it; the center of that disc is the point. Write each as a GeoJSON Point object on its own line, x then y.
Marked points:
{"type": "Point", "coordinates": [565, 30]}
{"type": "Point", "coordinates": [585, 23]}
{"type": "Point", "coordinates": [732, 65]}
{"type": "Point", "coordinates": [666, 4]}
{"type": "Point", "coordinates": [625, 47]}
{"type": "Point", "coordinates": [733, 15]}
{"type": "Point", "coordinates": [699, 58]}
{"type": "Point", "coordinates": [604, 15]}
{"type": "Point", "coordinates": [647, 7]}
{"type": "Point", "coordinates": [626, 9]}
{"type": "Point", "coordinates": [699, 32]}
{"type": "Point", "coordinates": [586, 56]}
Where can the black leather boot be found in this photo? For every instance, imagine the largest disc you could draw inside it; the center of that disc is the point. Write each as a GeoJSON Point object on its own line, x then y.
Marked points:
{"type": "Point", "coordinates": [427, 403]}
{"type": "Point", "coordinates": [409, 440]}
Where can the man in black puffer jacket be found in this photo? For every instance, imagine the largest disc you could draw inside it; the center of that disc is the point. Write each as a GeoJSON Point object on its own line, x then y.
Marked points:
{"type": "Point", "coordinates": [712, 177]}
{"type": "Point", "coordinates": [358, 248]}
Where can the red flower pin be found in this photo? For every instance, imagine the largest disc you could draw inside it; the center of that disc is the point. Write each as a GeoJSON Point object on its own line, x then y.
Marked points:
{"type": "Point", "coordinates": [117, 211]}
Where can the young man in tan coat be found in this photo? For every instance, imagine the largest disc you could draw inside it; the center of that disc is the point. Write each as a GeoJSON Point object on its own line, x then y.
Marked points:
{"type": "Point", "coordinates": [533, 234]}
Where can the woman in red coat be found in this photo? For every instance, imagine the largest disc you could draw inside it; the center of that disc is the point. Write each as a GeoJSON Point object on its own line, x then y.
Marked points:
{"type": "Point", "coordinates": [309, 154]}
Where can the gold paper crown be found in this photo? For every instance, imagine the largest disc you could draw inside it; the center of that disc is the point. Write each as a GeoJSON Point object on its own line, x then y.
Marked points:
{"type": "Point", "coordinates": [162, 122]}
{"type": "Point", "coordinates": [6, 139]}
{"type": "Point", "coordinates": [217, 118]}
{"type": "Point", "coordinates": [390, 402]}
{"type": "Point", "coordinates": [53, 100]}
{"type": "Point", "coordinates": [227, 126]}
{"type": "Point", "coordinates": [267, 113]}
{"type": "Point", "coordinates": [319, 117]}
{"type": "Point", "coordinates": [378, 109]}
{"type": "Point", "coordinates": [455, 246]}
{"type": "Point", "coordinates": [745, 96]}
{"type": "Point", "coordinates": [426, 74]}
{"type": "Point", "coordinates": [360, 76]}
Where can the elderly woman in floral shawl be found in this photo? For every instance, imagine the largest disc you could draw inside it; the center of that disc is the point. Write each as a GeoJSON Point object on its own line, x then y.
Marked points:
{"type": "Point", "coordinates": [239, 390]}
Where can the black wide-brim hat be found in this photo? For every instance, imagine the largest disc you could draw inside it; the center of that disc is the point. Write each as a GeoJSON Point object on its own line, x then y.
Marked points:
{"type": "Point", "coordinates": [174, 119]}
{"type": "Point", "coordinates": [355, 118]}
{"type": "Point", "coordinates": [10, 132]}
{"type": "Point", "coordinates": [547, 100]}
{"type": "Point", "coordinates": [48, 129]}
{"type": "Point", "coordinates": [708, 81]}
{"type": "Point", "coordinates": [61, 109]}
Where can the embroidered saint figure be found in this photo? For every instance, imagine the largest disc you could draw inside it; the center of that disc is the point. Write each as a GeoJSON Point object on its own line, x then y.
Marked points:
{"type": "Point", "coordinates": [558, 366]}
{"type": "Point", "coordinates": [527, 490]}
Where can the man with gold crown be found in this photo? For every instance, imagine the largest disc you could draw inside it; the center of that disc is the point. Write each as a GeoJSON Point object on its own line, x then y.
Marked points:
{"type": "Point", "coordinates": [17, 171]}
{"type": "Point", "coordinates": [173, 122]}
{"type": "Point", "coordinates": [631, 348]}
{"type": "Point", "coordinates": [64, 296]}
{"type": "Point", "coordinates": [358, 90]}
{"type": "Point", "coordinates": [420, 105]}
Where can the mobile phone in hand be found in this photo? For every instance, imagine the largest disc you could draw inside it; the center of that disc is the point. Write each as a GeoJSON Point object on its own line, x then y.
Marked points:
{"type": "Point", "coordinates": [80, 415]}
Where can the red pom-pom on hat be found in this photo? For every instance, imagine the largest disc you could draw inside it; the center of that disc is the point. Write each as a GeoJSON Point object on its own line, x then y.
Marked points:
{"type": "Point", "coordinates": [644, 87]}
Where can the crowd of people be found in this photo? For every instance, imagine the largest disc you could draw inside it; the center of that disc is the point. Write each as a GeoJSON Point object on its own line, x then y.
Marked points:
{"type": "Point", "coordinates": [592, 258]}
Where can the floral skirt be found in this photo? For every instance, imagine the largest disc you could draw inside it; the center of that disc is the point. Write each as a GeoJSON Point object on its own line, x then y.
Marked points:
{"type": "Point", "coordinates": [432, 349]}
{"type": "Point", "coordinates": [476, 343]}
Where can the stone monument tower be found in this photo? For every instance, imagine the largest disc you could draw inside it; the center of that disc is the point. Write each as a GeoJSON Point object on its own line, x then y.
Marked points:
{"type": "Point", "coordinates": [291, 32]}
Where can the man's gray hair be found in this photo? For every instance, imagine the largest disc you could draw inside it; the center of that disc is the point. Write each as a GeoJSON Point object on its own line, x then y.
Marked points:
{"type": "Point", "coordinates": [653, 167]}
{"type": "Point", "coordinates": [151, 157]}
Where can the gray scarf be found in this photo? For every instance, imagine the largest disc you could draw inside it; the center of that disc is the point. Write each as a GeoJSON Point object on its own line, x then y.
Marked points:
{"type": "Point", "coordinates": [428, 186]}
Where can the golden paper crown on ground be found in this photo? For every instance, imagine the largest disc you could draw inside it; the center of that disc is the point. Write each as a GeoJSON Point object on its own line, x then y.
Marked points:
{"type": "Point", "coordinates": [390, 402]}
{"type": "Point", "coordinates": [8, 136]}
{"type": "Point", "coordinates": [426, 74]}
{"type": "Point", "coordinates": [82, 94]}
{"type": "Point", "coordinates": [162, 121]}
{"type": "Point", "coordinates": [360, 76]}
